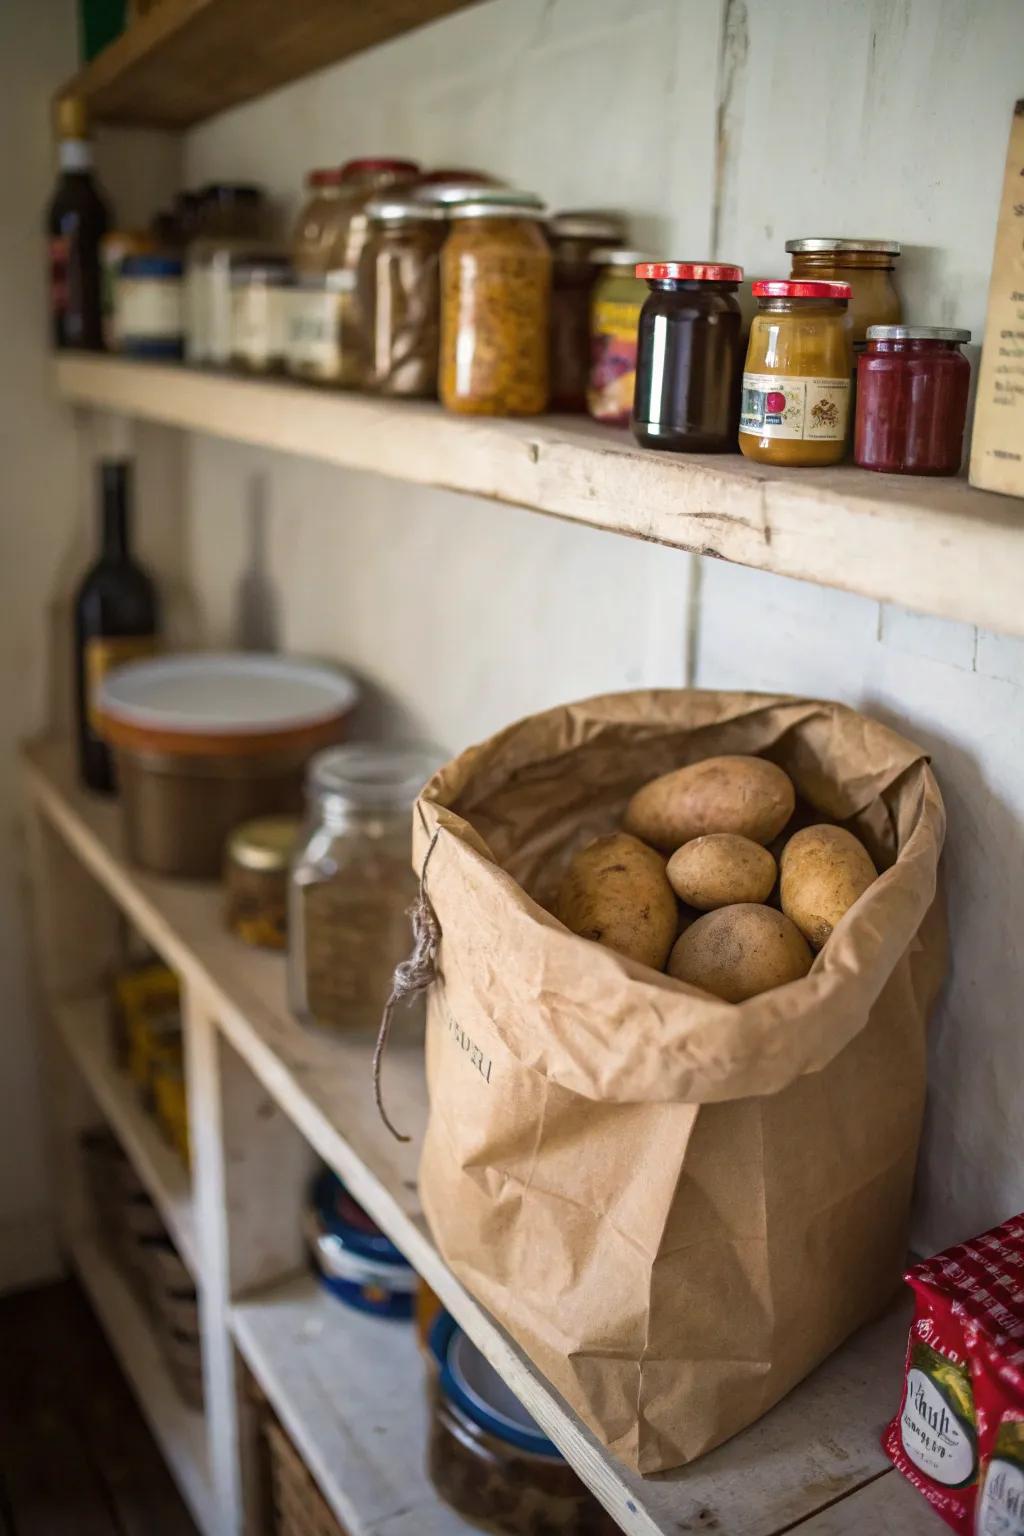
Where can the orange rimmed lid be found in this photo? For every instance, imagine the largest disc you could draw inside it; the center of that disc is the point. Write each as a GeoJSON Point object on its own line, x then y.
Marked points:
{"type": "Point", "coordinates": [213, 704]}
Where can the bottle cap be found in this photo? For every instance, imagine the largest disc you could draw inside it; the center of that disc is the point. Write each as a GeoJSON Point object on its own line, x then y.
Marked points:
{"type": "Point", "coordinates": [800, 288]}
{"type": "Point", "coordinates": [690, 271]}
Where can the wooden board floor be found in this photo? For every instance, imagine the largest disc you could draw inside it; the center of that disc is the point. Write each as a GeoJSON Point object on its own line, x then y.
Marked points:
{"type": "Point", "coordinates": [76, 1457]}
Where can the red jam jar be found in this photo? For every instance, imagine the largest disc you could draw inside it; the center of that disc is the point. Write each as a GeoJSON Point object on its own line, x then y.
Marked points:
{"type": "Point", "coordinates": [912, 385]}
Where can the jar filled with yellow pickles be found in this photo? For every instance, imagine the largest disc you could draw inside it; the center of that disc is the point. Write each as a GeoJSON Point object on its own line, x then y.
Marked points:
{"type": "Point", "coordinates": [796, 380]}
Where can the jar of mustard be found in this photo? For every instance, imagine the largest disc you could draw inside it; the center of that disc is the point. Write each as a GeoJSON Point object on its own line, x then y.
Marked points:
{"type": "Point", "coordinates": [495, 309]}
{"type": "Point", "coordinates": [867, 265]}
{"type": "Point", "coordinates": [796, 380]}
{"type": "Point", "coordinates": [615, 306]}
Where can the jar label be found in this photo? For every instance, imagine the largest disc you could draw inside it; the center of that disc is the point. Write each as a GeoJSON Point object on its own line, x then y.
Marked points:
{"type": "Point", "coordinates": [613, 360]}
{"type": "Point", "coordinates": [1001, 1510]}
{"type": "Point", "coordinates": [258, 326]}
{"type": "Point", "coordinates": [811, 409]}
{"type": "Point", "coordinates": [146, 307]}
{"type": "Point", "coordinates": [935, 1425]}
{"type": "Point", "coordinates": [59, 254]}
{"type": "Point", "coordinates": [313, 331]}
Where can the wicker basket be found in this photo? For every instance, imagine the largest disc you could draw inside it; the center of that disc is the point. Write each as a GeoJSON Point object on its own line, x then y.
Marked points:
{"type": "Point", "coordinates": [300, 1509]}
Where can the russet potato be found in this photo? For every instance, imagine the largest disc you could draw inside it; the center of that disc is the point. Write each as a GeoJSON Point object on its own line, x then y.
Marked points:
{"type": "Point", "coordinates": [823, 871]}
{"type": "Point", "coordinates": [720, 870]}
{"type": "Point", "coordinates": [737, 952]}
{"type": "Point", "coordinates": [616, 892]}
{"type": "Point", "coordinates": [748, 796]}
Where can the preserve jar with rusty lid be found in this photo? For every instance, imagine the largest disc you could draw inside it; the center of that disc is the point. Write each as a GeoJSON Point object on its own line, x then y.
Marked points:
{"type": "Point", "coordinates": [616, 301]}
{"type": "Point", "coordinates": [400, 296]}
{"type": "Point", "coordinates": [796, 380]}
{"type": "Point", "coordinates": [689, 357]}
{"type": "Point", "coordinates": [256, 880]}
{"type": "Point", "coordinates": [574, 236]}
{"type": "Point", "coordinates": [867, 265]}
{"type": "Point", "coordinates": [495, 308]}
{"type": "Point", "coordinates": [912, 388]}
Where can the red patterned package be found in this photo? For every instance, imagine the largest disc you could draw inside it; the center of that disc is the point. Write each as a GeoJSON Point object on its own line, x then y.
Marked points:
{"type": "Point", "coordinates": [998, 1379]}
{"type": "Point", "coordinates": [975, 1289]}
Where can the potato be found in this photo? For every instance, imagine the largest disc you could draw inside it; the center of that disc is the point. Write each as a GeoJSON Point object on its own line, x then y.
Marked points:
{"type": "Point", "coordinates": [720, 870]}
{"type": "Point", "coordinates": [616, 892]}
{"type": "Point", "coordinates": [745, 795]}
{"type": "Point", "coordinates": [823, 871]}
{"type": "Point", "coordinates": [739, 951]}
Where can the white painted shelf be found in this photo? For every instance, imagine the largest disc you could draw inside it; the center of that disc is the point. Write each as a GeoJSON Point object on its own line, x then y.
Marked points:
{"type": "Point", "coordinates": [84, 1028]}
{"type": "Point", "coordinates": [819, 1446]}
{"type": "Point", "coordinates": [350, 1391]}
{"type": "Point", "coordinates": [937, 546]}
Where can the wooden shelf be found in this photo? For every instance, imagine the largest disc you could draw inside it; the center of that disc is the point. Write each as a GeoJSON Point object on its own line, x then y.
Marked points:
{"type": "Point", "coordinates": [189, 59]}
{"type": "Point", "coordinates": [937, 546]}
{"type": "Point", "coordinates": [350, 1391]}
{"type": "Point", "coordinates": [818, 1446]}
{"type": "Point", "coordinates": [84, 1028]}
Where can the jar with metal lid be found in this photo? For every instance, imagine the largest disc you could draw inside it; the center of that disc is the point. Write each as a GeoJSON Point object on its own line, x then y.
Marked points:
{"type": "Point", "coordinates": [400, 298]}
{"type": "Point", "coordinates": [689, 357]}
{"type": "Point", "coordinates": [867, 265]}
{"type": "Point", "coordinates": [260, 287]}
{"type": "Point", "coordinates": [352, 884]}
{"type": "Point", "coordinates": [114, 247]}
{"type": "Point", "coordinates": [354, 1259]}
{"type": "Point", "coordinates": [148, 311]}
{"type": "Point", "coordinates": [574, 236]}
{"type": "Point", "coordinates": [615, 306]}
{"type": "Point", "coordinates": [912, 388]}
{"type": "Point", "coordinates": [256, 880]}
{"type": "Point", "coordinates": [495, 309]}
{"type": "Point", "coordinates": [796, 382]}
{"type": "Point", "coordinates": [230, 220]}
{"type": "Point", "coordinates": [316, 226]}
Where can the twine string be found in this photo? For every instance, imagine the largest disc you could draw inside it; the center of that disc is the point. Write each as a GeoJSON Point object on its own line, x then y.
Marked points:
{"type": "Point", "coordinates": [412, 976]}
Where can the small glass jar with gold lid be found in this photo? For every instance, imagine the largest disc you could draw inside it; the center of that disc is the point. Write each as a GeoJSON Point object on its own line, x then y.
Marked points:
{"type": "Point", "coordinates": [256, 880]}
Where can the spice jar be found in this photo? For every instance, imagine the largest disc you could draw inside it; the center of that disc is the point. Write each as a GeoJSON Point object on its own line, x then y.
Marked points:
{"type": "Point", "coordinates": [148, 307]}
{"type": "Point", "coordinates": [912, 387]}
{"type": "Point", "coordinates": [574, 237]}
{"type": "Point", "coordinates": [400, 297]}
{"type": "Point", "coordinates": [615, 306]}
{"type": "Point", "coordinates": [495, 309]}
{"type": "Point", "coordinates": [867, 265]}
{"type": "Point", "coordinates": [230, 220]}
{"type": "Point", "coordinates": [796, 381]}
{"type": "Point", "coordinates": [689, 357]}
{"type": "Point", "coordinates": [351, 884]}
{"type": "Point", "coordinates": [256, 880]}
{"type": "Point", "coordinates": [260, 287]}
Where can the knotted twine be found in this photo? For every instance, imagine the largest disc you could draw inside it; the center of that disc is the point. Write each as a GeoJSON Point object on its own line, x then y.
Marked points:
{"type": "Point", "coordinates": [411, 977]}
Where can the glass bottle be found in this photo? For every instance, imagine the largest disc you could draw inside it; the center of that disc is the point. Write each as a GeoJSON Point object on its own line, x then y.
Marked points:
{"type": "Point", "coordinates": [76, 222]}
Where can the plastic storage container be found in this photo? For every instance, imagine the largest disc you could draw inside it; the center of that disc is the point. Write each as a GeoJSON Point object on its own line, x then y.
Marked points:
{"type": "Point", "coordinates": [400, 296]}
{"type": "Point", "coordinates": [352, 884]}
{"type": "Point", "coordinates": [148, 307]}
{"type": "Point", "coordinates": [796, 382]}
{"type": "Point", "coordinates": [689, 357]}
{"type": "Point", "coordinates": [912, 388]}
{"type": "Point", "coordinates": [616, 301]}
{"type": "Point", "coordinates": [867, 265]}
{"type": "Point", "coordinates": [351, 1255]}
{"type": "Point", "coordinates": [574, 237]}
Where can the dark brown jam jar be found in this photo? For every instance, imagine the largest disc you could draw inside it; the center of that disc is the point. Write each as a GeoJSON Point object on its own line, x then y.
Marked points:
{"type": "Point", "coordinates": [689, 357]}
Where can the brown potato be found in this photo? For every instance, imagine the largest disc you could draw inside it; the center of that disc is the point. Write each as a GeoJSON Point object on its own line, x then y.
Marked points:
{"type": "Point", "coordinates": [745, 795]}
{"type": "Point", "coordinates": [720, 870]}
{"type": "Point", "coordinates": [616, 892]}
{"type": "Point", "coordinates": [739, 951]}
{"type": "Point", "coordinates": [823, 871]}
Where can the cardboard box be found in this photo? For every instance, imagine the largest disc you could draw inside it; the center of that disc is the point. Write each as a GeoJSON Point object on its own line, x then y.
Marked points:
{"type": "Point", "coordinates": [997, 450]}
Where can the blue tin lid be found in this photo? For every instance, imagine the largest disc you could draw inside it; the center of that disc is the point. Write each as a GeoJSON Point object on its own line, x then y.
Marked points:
{"type": "Point", "coordinates": [473, 1385]}
{"type": "Point", "coordinates": [151, 266]}
{"type": "Point", "coordinates": [342, 1217]}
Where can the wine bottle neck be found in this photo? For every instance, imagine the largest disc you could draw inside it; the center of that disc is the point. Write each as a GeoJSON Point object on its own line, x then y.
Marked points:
{"type": "Point", "coordinates": [75, 155]}
{"type": "Point", "coordinates": [116, 533]}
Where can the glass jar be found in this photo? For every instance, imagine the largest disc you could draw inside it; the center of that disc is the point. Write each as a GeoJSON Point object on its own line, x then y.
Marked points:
{"type": "Point", "coordinates": [313, 335]}
{"type": "Point", "coordinates": [400, 296]}
{"type": "Point", "coordinates": [912, 388]}
{"type": "Point", "coordinates": [259, 293]}
{"type": "Point", "coordinates": [352, 883]}
{"type": "Point", "coordinates": [867, 265]}
{"type": "Point", "coordinates": [495, 309]}
{"type": "Point", "coordinates": [114, 247]}
{"type": "Point", "coordinates": [574, 237]}
{"type": "Point", "coordinates": [315, 229]}
{"type": "Point", "coordinates": [229, 220]}
{"type": "Point", "coordinates": [148, 311]}
{"type": "Point", "coordinates": [796, 381]}
{"type": "Point", "coordinates": [256, 880]}
{"type": "Point", "coordinates": [616, 301]}
{"type": "Point", "coordinates": [689, 357]}
{"type": "Point", "coordinates": [355, 1260]}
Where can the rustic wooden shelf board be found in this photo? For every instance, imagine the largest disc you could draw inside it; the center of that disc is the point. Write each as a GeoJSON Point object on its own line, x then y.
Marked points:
{"type": "Point", "coordinates": [937, 546]}
{"type": "Point", "coordinates": [889, 1506]}
{"type": "Point", "coordinates": [819, 1444]}
{"type": "Point", "coordinates": [189, 59]}
{"type": "Point", "coordinates": [84, 1028]}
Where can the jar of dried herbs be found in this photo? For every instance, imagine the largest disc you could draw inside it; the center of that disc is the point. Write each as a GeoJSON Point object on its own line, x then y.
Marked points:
{"type": "Point", "coordinates": [352, 883]}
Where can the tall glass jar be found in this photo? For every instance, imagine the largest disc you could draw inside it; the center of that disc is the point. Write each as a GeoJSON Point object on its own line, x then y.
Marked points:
{"type": "Point", "coordinates": [352, 883]}
{"type": "Point", "coordinates": [495, 309]}
{"type": "Point", "coordinates": [232, 217]}
{"type": "Point", "coordinates": [574, 237]}
{"type": "Point", "coordinates": [867, 265]}
{"type": "Point", "coordinates": [400, 296]}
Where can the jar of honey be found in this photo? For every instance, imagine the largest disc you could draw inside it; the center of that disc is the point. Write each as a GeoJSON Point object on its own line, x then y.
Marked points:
{"type": "Point", "coordinates": [796, 381]}
{"type": "Point", "coordinates": [867, 265]}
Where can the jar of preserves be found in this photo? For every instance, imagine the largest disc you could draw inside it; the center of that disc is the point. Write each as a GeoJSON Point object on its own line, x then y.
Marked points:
{"type": "Point", "coordinates": [400, 296]}
{"type": "Point", "coordinates": [867, 265]}
{"type": "Point", "coordinates": [912, 388]}
{"type": "Point", "coordinates": [689, 357]}
{"type": "Point", "coordinates": [574, 237]}
{"type": "Point", "coordinates": [617, 299]}
{"type": "Point", "coordinates": [148, 315]}
{"type": "Point", "coordinates": [256, 880]}
{"type": "Point", "coordinates": [260, 287]}
{"type": "Point", "coordinates": [351, 883]}
{"type": "Point", "coordinates": [230, 221]}
{"type": "Point", "coordinates": [495, 309]}
{"type": "Point", "coordinates": [796, 382]}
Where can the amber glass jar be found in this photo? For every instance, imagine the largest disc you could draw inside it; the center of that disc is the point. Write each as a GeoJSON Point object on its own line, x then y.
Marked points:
{"type": "Point", "coordinates": [574, 237]}
{"type": "Point", "coordinates": [796, 381]}
{"type": "Point", "coordinates": [400, 296]}
{"type": "Point", "coordinates": [495, 310]}
{"type": "Point", "coordinates": [689, 357]}
{"type": "Point", "coordinates": [256, 880]}
{"type": "Point", "coordinates": [313, 236]}
{"type": "Point", "coordinates": [867, 265]}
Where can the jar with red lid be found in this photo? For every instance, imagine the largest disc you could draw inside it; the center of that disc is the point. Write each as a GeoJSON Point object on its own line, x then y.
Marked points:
{"type": "Point", "coordinates": [796, 379]}
{"type": "Point", "coordinates": [912, 387]}
{"type": "Point", "coordinates": [689, 357]}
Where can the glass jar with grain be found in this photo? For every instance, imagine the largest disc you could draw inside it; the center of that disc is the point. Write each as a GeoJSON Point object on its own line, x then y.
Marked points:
{"type": "Point", "coordinates": [400, 296]}
{"type": "Point", "coordinates": [867, 265]}
{"type": "Point", "coordinates": [495, 308]}
{"type": "Point", "coordinates": [796, 381]}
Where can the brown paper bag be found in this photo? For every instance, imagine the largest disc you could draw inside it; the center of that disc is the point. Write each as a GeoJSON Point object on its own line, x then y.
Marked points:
{"type": "Point", "coordinates": [676, 1206]}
